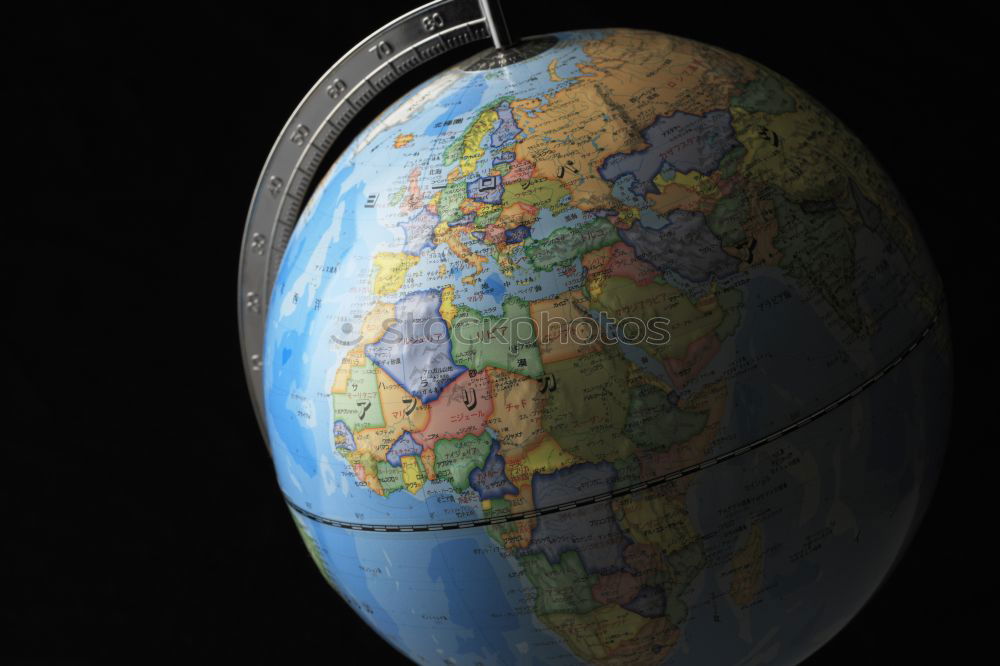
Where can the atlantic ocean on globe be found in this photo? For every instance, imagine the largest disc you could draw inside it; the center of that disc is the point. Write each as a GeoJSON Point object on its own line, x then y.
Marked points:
{"type": "Point", "coordinates": [625, 353]}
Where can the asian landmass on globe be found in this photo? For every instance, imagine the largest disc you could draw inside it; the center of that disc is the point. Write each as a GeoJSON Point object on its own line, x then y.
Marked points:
{"type": "Point", "coordinates": [491, 467]}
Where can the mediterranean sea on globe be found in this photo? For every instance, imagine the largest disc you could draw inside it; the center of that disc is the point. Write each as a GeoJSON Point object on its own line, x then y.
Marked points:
{"type": "Point", "coordinates": [625, 353]}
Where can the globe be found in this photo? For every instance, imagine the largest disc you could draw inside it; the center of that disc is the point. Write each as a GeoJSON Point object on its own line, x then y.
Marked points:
{"type": "Point", "coordinates": [622, 351]}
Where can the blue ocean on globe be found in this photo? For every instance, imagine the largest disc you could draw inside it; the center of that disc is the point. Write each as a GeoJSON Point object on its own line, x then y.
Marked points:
{"type": "Point", "coordinates": [628, 352]}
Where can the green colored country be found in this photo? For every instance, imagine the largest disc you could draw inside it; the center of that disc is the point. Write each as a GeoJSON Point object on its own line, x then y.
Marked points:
{"type": "Point", "coordinates": [565, 244]}
{"type": "Point", "coordinates": [732, 162]}
{"type": "Point", "coordinates": [727, 219]}
{"type": "Point", "coordinates": [390, 477]}
{"type": "Point", "coordinates": [454, 459]}
{"type": "Point", "coordinates": [563, 587]}
{"type": "Point", "coordinates": [508, 342]}
{"type": "Point", "coordinates": [767, 95]}
{"type": "Point", "coordinates": [586, 405]}
{"type": "Point", "coordinates": [627, 471]}
{"type": "Point", "coordinates": [396, 197]}
{"type": "Point", "coordinates": [818, 249]}
{"type": "Point", "coordinates": [497, 507]}
{"type": "Point", "coordinates": [359, 407]}
{"type": "Point", "coordinates": [537, 192]}
{"type": "Point", "coordinates": [654, 423]}
{"type": "Point", "coordinates": [452, 197]}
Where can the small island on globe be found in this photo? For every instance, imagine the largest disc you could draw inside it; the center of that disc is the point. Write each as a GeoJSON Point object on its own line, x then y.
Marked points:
{"type": "Point", "coordinates": [626, 352]}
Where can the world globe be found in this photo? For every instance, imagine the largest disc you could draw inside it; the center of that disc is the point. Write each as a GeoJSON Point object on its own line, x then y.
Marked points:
{"type": "Point", "coordinates": [625, 351]}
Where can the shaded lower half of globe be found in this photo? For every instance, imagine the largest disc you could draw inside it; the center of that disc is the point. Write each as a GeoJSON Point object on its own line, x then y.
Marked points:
{"type": "Point", "coordinates": [758, 559]}
{"type": "Point", "coordinates": [625, 353]}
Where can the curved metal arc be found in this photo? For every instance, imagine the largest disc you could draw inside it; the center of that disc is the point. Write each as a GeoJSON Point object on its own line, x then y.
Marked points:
{"type": "Point", "coordinates": [257, 254]}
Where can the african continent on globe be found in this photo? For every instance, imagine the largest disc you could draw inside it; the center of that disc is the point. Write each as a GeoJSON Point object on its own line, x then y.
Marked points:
{"type": "Point", "coordinates": [624, 353]}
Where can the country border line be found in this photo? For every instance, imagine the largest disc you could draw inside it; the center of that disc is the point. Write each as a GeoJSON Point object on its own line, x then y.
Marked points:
{"type": "Point", "coordinates": [635, 487]}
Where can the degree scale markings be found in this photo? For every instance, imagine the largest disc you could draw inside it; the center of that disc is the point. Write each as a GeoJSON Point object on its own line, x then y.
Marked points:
{"type": "Point", "coordinates": [641, 485]}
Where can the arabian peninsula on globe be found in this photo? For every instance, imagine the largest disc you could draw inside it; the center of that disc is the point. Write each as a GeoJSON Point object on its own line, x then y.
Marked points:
{"type": "Point", "coordinates": [625, 353]}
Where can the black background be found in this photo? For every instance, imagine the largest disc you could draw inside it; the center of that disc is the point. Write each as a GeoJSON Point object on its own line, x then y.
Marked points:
{"type": "Point", "coordinates": [139, 136]}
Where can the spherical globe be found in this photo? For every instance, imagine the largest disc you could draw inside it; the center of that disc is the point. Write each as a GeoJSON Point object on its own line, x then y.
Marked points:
{"type": "Point", "coordinates": [627, 352]}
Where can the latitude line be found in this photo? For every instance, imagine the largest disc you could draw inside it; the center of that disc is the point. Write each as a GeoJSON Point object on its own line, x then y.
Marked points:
{"type": "Point", "coordinates": [632, 488]}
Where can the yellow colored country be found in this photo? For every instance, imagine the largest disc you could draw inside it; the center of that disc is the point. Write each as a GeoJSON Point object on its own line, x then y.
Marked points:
{"type": "Point", "coordinates": [544, 457]}
{"type": "Point", "coordinates": [413, 473]}
{"type": "Point", "coordinates": [471, 150]}
{"type": "Point", "coordinates": [448, 309]}
{"type": "Point", "coordinates": [390, 271]}
{"type": "Point", "coordinates": [375, 323]}
{"type": "Point", "coordinates": [688, 321]}
{"type": "Point", "coordinates": [613, 635]}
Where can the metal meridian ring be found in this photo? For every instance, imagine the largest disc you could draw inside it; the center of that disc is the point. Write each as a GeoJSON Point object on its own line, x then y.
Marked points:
{"type": "Point", "coordinates": [411, 40]}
